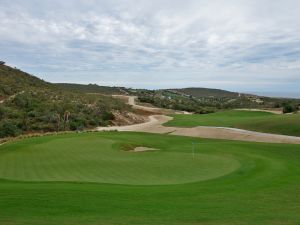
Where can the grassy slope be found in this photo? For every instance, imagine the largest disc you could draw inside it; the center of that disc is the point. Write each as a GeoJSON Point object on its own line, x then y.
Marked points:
{"type": "Point", "coordinates": [256, 121]}
{"type": "Point", "coordinates": [264, 190]}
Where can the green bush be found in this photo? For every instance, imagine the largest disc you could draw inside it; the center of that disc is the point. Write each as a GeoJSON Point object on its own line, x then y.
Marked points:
{"type": "Point", "coordinates": [289, 108]}
{"type": "Point", "coordinates": [9, 129]}
{"type": "Point", "coordinates": [108, 116]}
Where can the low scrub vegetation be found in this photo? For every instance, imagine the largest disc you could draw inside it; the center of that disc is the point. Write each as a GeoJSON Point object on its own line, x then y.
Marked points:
{"type": "Point", "coordinates": [211, 101]}
{"type": "Point", "coordinates": [31, 105]}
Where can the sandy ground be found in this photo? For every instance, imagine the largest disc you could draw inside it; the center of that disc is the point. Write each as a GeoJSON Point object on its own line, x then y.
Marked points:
{"type": "Point", "coordinates": [154, 125]}
{"type": "Point", "coordinates": [143, 149]}
{"type": "Point", "coordinates": [275, 111]}
{"type": "Point", "coordinates": [131, 101]}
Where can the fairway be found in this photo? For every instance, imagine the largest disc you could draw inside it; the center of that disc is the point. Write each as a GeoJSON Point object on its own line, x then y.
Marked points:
{"type": "Point", "coordinates": [248, 120]}
{"type": "Point", "coordinates": [92, 178]}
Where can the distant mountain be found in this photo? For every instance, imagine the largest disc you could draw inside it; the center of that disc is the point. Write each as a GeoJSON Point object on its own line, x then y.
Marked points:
{"type": "Point", "coordinates": [92, 88]}
{"type": "Point", "coordinates": [196, 92]}
{"type": "Point", "coordinates": [206, 92]}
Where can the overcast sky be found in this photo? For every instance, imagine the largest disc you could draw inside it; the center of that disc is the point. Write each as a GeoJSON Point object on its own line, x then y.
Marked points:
{"type": "Point", "coordinates": [241, 45]}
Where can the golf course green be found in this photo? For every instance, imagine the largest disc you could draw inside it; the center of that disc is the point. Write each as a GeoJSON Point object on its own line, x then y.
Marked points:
{"type": "Point", "coordinates": [249, 120]}
{"type": "Point", "coordinates": [97, 178]}
{"type": "Point", "coordinates": [90, 159]}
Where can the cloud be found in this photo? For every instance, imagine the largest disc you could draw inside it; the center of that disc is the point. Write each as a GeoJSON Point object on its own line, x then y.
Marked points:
{"type": "Point", "coordinates": [175, 43]}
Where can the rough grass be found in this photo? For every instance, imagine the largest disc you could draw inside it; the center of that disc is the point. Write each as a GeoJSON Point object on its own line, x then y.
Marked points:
{"type": "Point", "coordinates": [264, 189]}
{"type": "Point", "coordinates": [248, 120]}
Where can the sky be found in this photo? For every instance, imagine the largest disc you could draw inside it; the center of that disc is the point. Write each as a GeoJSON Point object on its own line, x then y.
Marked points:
{"type": "Point", "coordinates": [240, 45]}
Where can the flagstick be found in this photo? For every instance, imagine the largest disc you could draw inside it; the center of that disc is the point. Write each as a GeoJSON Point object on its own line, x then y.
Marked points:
{"type": "Point", "coordinates": [193, 150]}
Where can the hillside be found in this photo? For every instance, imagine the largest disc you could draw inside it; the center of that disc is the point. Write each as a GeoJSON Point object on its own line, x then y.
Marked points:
{"type": "Point", "coordinates": [205, 101]}
{"type": "Point", "coordinates": [91, 88]}
{"type": "Point", "coordinates": [29, 105]}
{"type": "Point", "coordinates": [14, 81]}
{"type": "Point", "coordinates": [205, 92]}
{"type": "Point", "coordinates": [195, 92]}
{"type": "Point", "coordinates": [198, 100]}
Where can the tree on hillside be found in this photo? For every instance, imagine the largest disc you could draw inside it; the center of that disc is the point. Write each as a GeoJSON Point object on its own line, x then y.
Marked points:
{"type": "Point", "coordinates": [57, 121]}
{"type": "Point", "coordinates": [66, 119]}
{"type": "Point", "coordinates": [2, 112]}
{"type": "Point", "coordinates": [9, 129]}
{"type": "Point", "coordinates": [25, 121]}
{"type": "Point", "coordinates": [289, 108]}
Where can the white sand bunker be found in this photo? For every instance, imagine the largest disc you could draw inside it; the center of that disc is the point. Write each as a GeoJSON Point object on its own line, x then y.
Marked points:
{"type": "Point", "coordinates": [143, 149]}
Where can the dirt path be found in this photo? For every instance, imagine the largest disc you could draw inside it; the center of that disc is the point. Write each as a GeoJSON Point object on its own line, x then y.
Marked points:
{"type": "Point", "coordinates": [131, 101]}
{"type": "Point", "coordinates": [154, 125]}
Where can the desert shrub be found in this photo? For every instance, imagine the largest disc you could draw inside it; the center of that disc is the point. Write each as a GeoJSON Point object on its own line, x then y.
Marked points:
{"type": "Point", "coordinates": [9, 129]}
{"type": "Point", "coordinates": [108, 116]}
{"type": "Point", "coordinates": [289, 108]}
{"type": "Point", "coordinates": [205, 110]}
{"type": "Point", "coordinates": [76, 125]}
{"type": "Point", "coordinates": [2, 112]}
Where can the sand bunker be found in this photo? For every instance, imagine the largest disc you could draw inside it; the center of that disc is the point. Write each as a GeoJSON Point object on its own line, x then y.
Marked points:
{"type": "Point", "coordinates": [143, 149]}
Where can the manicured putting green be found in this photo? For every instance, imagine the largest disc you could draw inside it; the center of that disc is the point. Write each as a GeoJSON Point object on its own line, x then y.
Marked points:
{"type": "Point", "coordinates": [88, 179]}
{"type": "Point", "coordinates": [248, 120]}
{"type": "Point", "coordinates": [98, 159]}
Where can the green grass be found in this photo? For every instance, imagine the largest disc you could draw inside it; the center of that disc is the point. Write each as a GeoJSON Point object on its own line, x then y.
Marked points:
{"type": "Point", "coordinates": [248, 120]}
{"type": "Point", "coordinates": [90, 159]}
{"type": "Point", "coordinates": [88, 179]}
